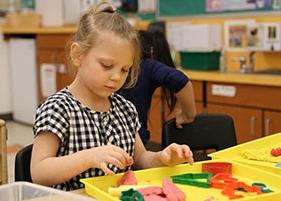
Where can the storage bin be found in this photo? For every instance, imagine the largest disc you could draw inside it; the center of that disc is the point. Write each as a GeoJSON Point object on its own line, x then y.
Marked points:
{"type": "Point", "coordinates": [20, 191]}
{"type": "Point", "coordinates": [234, 153]}
{"type": "Point", "coordinates": [97, 187]}
{"type": "Point", "coordinates": [200, 60]}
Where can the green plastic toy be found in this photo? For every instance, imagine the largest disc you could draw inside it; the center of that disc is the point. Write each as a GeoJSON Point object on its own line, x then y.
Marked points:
{"type": "Point", "coordinates": [131, 195]}
{"type": "Point", "coordinates": [193, 179]}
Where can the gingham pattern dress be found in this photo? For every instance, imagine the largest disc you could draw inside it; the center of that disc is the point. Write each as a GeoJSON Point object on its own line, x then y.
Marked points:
{"type": "Point", "coordinates": [79, 128]}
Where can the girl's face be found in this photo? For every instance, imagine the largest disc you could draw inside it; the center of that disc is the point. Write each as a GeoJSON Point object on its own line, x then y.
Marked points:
{"type": "Point", "coordinates": [104, 69]}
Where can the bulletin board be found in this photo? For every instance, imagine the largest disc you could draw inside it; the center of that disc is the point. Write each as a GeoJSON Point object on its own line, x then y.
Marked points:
{"type": "Point", "coordinates": [200, 7]}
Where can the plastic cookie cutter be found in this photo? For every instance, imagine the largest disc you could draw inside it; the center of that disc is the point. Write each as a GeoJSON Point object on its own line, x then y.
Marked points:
{"type": "Point", "coordinates": [193, 179]}
{"type": "Point", "coordinates": [262, 186]}
{"type": "Point", "coordinates": [221, 179]}
{"type": "Point", "coordinates": [217, 167]}
{"type": "Point", "coordinates": [229, 184]}
{"type": "Point", "coordinates": [131, 195]}
{"type": "Point", "coordinates": [229, 189]}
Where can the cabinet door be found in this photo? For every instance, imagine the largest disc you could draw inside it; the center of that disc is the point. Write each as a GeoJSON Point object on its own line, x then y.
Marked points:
{"type": "Point", "coordinates": [155, 117]}
{"type": "Point", "coordinates": [199, 107]}
{"type": "Point", "coordinates": [57, 58]}
{"type": "Point", "coordinates": [198, 95]}
{"type": "Point", "coordinates": [272, 122]}
{"type": "Point", "coordinates": [247, 122]}
{"type": "Point", "coordinates": [51, 50]}
{"type": "Point", "coordinates": [52, 41]}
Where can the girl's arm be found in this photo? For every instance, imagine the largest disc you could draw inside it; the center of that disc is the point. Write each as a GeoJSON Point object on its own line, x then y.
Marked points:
{"type": "Point", "coordinates": [186, 101]}
{"type": "Point", "coordinates": [174, 154]}
{"type": "Point", "coordinates": [48, 169]}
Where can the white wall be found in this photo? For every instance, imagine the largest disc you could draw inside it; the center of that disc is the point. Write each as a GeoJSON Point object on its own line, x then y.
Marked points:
{"type": "Point", "coordinates": [5, 79]}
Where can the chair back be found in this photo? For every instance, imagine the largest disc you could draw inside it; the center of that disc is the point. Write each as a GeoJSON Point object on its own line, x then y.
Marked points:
{"type": "Point", "coordinates": [22, 164]}
{"type": "Point", "coordinates": [207, 131]}
{"type": "Point", "coordinates": [3, 153]}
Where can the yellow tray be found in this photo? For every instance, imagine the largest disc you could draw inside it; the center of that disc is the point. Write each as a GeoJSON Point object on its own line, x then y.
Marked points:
{"type": "Point", "coordinates": [97, 187]}
{"type": "Point", "coordinates": [233, 153]}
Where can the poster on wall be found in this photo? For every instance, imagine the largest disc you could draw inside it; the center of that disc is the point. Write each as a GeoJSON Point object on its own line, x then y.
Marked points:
{"type": "Point", "coordinates": [241, 34]}
{"type": "Point", "coordinates": [236, 5]}
{"type": "Point", "coordinates": [146, 6]}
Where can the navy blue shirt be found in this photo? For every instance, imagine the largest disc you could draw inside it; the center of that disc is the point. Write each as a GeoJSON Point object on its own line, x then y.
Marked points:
{"type": "Point", "coordinates": [153, 74]}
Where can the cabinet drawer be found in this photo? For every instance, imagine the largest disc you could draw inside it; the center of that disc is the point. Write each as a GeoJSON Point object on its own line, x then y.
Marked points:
{"type": "Point", "coordinates": [244, 95]}
{"type": "Point", "coordinates": [57, 41]}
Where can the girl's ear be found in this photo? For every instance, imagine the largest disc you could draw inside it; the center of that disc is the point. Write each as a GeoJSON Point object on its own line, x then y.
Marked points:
{"type": "Point", "coordinates": [75, 54]}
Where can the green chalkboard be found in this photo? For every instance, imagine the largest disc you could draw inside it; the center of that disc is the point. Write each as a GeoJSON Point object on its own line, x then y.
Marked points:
{"type": "Point", "coordinates": [192, 7]}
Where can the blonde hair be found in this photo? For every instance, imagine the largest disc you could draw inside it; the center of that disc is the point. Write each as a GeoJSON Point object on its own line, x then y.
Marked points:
{"type": "Point", "coordinates": [103, 17]}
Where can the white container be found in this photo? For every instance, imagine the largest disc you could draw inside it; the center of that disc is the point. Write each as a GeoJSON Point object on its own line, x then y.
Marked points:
{"type": "Point", "coordinates": [56, 13]}
{"type": "Point", "coordinates": [51, 11]}
{"type": "Point", "coordinates": [72, 11]}
{"type": "Point", "coordinates": [20, 191]}
{"type": "Point", "coordinates": [5, 79]}
{"type": "Point", "coordinates": [22, 59]}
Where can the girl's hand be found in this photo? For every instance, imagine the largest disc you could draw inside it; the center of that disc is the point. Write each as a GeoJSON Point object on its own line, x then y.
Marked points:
{"type": "Point", "coordinates": [176, 154]}
{"type": "Point", "coordinates": [109, 154]}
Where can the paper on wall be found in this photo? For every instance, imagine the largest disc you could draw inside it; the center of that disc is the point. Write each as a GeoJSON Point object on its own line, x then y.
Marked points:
{"type": "Point", "coordinates": [175, 33]}
{"type": "Point", "coordinates": [184, 36]}
{"type": "Point", "coordinates": [236, 34]}
{"type": "Point", "coordinates": [48, 79]}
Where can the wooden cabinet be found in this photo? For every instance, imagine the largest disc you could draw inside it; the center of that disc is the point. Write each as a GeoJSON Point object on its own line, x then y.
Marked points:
{"type": "Point", "coordinates": [51, 50]}
{"type": "Point", "coordinates": [256, 110]}
{"type": "Point", "coordinates": [247, 121]}
{"type": "Point", "coordinates": [272, 122]}
{"type": "Point", "coordinates": [198, 88]}
{"type": "Point", "coordinates": [155, 117]}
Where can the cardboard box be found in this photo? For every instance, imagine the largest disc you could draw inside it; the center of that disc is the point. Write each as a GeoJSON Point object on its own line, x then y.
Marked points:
{"type": "Point", "coordinates": [23, 20]}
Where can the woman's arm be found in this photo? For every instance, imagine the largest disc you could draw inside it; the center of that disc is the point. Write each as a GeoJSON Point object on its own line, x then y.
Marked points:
{"type": "Point", "coordinates": [48, 169]}
{"type": "Point", "coordinates": [176, 81]}
{"type": "Point", "coordinates": [186, 100]}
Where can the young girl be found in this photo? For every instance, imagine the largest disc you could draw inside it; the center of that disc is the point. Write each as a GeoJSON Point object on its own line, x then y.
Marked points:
{"type": "Point", "coordinates": [86, 129]}
{"type": "Point", "coordinates": [158, 70]}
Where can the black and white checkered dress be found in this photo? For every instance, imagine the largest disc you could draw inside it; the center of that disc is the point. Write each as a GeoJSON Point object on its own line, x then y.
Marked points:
{"type": "Point", "coordinates": [79, 128]}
